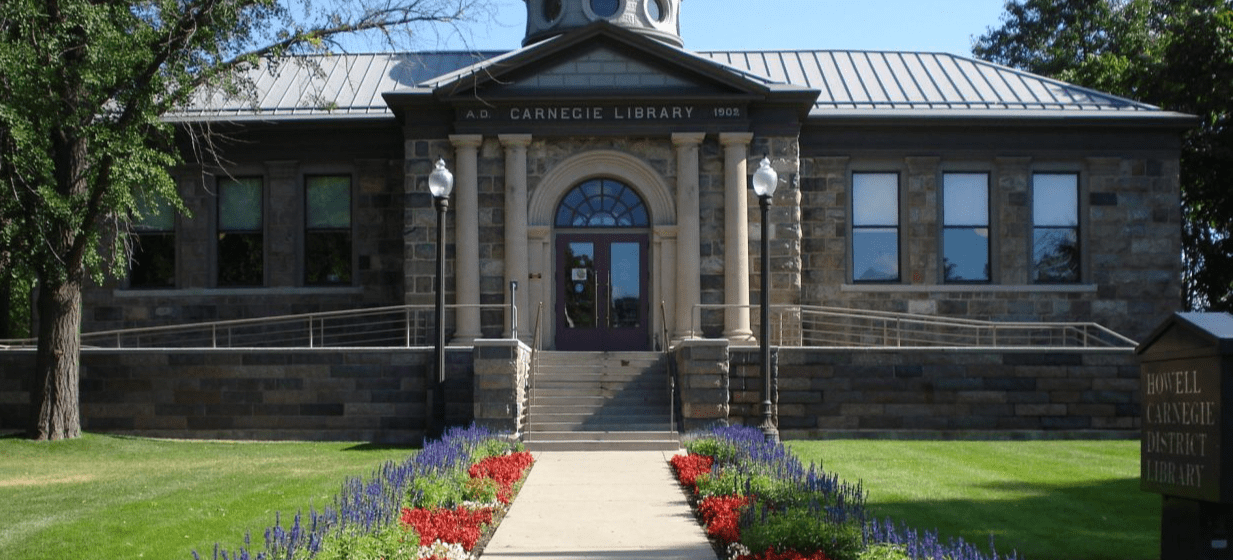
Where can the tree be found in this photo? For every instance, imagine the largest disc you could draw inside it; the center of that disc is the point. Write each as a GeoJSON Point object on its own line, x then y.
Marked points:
{"type": "Point", "coordinates": [1176, 54]}
{"type": "Point", "coordinates": [84, 89]}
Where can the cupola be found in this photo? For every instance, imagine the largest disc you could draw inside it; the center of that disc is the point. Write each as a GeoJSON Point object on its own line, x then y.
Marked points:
{"type": "Point", "coordinates": [659, 19]}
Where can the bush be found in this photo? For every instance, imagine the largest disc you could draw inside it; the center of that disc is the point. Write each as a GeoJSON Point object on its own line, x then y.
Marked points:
{"type": "Point", "coordinates": [804, 530]}
{"type": "Point", "coordinates": [391, 541]}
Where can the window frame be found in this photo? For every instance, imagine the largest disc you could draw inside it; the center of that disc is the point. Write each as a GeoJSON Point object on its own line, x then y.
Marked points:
{"type": "Point", "coordinates": [987, 226]}
{"type": "Point", "coordinates": [219, 231]}
{"type": "Point", "coordinates": [1077, 228]}
{"type": "Point", "coordinates": [349, 230]}
{"type": "Point", "coordinates": [140, 229]}
{"type": "Point", "coordinates": [854, 228]}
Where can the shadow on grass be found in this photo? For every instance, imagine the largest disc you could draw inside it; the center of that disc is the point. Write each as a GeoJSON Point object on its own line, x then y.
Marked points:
{"type": "Point", "coordinates": [1107, 520]}
{"type": "Point", "coordinates": [14, 435]}
{"type": "Point", "coordinates": [382, 447]}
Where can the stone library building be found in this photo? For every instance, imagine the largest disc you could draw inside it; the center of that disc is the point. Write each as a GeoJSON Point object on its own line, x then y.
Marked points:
{"type": "Point", "coordinates": [952, 247]}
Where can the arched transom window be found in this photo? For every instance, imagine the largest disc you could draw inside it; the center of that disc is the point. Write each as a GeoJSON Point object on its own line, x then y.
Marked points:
{"type": "Point", "coordinates": [602, 203]}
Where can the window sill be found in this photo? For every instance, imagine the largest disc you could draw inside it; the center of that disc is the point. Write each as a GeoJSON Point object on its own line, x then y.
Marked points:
{"type": "Point", "coordinates": [970, 288]}
{"type": "Point", "coordinates": [241, 292]}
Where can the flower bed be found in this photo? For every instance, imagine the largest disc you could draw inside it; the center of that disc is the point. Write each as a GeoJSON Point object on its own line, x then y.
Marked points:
{"type": "Point", "coordinates": [758, 502]}
{"type": "Point", "coordinates": [440, 504]}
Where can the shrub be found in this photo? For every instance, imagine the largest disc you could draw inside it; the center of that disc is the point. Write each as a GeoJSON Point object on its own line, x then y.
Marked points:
{"type": "Point", "coordinates": [804, 530]}
{"type": "Point", "coordinates": [391, 541]}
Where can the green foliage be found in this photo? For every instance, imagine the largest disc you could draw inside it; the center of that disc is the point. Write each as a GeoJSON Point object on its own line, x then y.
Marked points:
{"type": "Point", "coordinates": [1177, 55]}
{"type": "Point", "coordinates": [446, 490]}
{"type": "Point", "coordinates": [884, 552]}
{"type": "Point", "coordinates": [392, 541]}
{"type": "Point", "coordinates": [495, 447]}
{"type": "Point", "coordinates": [732, 482]}
{"type": "Point", "coordinates": [722, 451]}
{"type": "Point", "coordinates": [804, 530]}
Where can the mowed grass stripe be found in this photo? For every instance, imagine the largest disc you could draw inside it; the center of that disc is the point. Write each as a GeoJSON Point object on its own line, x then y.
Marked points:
{"type": "Point", "coordinates": [106, 497]}
{"type": "Point", "coordinates": [1057, 500]}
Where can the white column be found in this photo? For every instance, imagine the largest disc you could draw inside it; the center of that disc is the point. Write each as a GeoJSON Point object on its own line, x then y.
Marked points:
{"type": "Point", "coordinates": [466, 257]}
{"type": "Point", "coordinates": [516, 267]}
{"type": "Point", "coordinates": [736, 241]}
{"type": "Point", "coordinates": [688, 241]}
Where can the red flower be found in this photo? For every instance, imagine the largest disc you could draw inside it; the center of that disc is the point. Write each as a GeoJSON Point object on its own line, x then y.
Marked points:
{"type": "Point", "coordinates": [506, 470]}
{"type": "Point", "coordinates": [688, 467]}
{"type": "Point", "coordinates": [461, 526]}
{"type": "Point", "coordinates": [721, 515]}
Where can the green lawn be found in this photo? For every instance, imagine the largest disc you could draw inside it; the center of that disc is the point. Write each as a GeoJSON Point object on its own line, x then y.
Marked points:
{"type": "Point", "coordinates": [110, 498]}
{"type": "Point", "coordinates": [1049, 500]}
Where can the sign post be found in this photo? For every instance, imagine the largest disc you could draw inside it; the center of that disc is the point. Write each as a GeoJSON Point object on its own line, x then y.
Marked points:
{"type": "Point", "coordinates": [1186, 375]}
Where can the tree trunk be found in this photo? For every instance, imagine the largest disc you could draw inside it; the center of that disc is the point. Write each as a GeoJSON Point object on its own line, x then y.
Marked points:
{"type": "Point", "coordinates": [55, 399]}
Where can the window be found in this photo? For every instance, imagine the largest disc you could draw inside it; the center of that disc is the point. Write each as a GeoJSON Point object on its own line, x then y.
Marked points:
{"type": "Point", "coordinates": [1055, 217]}
{"type": "Point", "coordinates": [605, 8]}
{"type": "Point", "coordinates": [241, 243]}
{"type": "Point", "coordinates": [875, 227]}
{"type": "Point", "coordinates": [655, 9]}
{"type": "Point", "coordinates": [965, 227]}
{"type": "Point", "coordinates": [153, 263]}
{"type": "Point", "coordinates": [327, 239]}
{"type": "Point", "coordinates": [552, 10]}
{"type": "Point", "coordinates": [602, 203]}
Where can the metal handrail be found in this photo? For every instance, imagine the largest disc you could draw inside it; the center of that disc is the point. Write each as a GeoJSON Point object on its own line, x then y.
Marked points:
{"type": "Point", "coordinates": [529, 383]}
{"type": "Point", "coordinates": [663, 313]}
{"type": "Point", "coordinates": [382, 327]}
{"type": "Point", "coordinates": [803, 325]}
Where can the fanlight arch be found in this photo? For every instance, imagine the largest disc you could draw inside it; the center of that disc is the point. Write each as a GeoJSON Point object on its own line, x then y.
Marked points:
{"type": "Point", "coordinates": [602, 203]}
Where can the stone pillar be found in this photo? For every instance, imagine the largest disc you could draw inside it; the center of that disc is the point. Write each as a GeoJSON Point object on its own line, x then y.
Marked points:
{"type": "Point", "coordinates": [284, 223]}
{"type": "Point", "coordinates": [466, 256]}
{"type": "Point", "coordinates": [736, 240]}
{"type": "Point", "coordinates": [688, 241]}
{"type": "Point", "coordinates": [516, 257]}
{"type": "Point", "coordinates": [703, 366]}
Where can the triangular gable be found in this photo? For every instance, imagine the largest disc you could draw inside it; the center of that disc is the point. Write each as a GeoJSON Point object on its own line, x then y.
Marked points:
{"type": "Point", "coordinates": [600, 58]}
{"type": "Point", "coordinates": [605, 68]}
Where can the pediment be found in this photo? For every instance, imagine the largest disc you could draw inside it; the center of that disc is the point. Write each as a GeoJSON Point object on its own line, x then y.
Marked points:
{"type": "Point", "coordinates": [598, 61]}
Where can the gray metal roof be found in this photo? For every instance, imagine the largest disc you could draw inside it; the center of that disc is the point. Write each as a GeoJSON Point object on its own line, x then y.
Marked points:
{"type": "Point", "coordinates": [338, 86]}
{"type": "Point", "coordinates": [853, 84]}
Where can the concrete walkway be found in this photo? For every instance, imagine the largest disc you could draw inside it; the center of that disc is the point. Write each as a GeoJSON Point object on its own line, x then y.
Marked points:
{"type": "Point", "coordinates": [598, 505]}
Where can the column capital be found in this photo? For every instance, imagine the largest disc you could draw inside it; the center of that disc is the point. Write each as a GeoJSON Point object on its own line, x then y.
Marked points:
{"type": "Point", "coordinates": [735, 138]}
{"type": "Point", "coordinates": [466, 140]}
{"type": "Point", "coordinates": [514, 140]}
{"type": "Point", "coordinates": [688, 138]}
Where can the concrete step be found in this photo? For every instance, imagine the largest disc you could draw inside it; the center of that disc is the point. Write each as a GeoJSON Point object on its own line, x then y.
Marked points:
{"type": "Point", "coordinates": [603, 441]}
{"type": "Point", "coordinates": [605, 392]}
{"type": "Point", "coordinates": [599, 425]}
{"type": "Point", "coordinates": [615, 418]}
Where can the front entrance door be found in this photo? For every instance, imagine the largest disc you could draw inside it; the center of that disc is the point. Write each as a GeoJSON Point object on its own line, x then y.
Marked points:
{"type": "Point", "coordinates": [602, 296]}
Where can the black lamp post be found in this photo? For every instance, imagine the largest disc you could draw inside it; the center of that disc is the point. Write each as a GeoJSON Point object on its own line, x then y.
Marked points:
{"type": "Point", "coordinates": [440, 184]}
{"type": "Point", "coordinates": [765, 180]}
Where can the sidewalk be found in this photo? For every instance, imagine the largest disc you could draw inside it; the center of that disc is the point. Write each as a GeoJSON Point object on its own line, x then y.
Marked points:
{"type": "Point", "coordinates": [599, 505]}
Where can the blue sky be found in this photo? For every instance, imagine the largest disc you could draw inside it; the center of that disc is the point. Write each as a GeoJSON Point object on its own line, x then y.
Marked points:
{"type": "Point", "coordinates": [899, 25]}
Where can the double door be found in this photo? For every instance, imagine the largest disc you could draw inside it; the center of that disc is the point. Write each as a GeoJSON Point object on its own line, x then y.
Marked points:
{"type": "Point", "coordinates": [602, 295]}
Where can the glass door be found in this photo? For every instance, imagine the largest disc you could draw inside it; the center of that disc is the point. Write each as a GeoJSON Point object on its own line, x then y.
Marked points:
{"type": "Point", "coordinates": [602, 302]}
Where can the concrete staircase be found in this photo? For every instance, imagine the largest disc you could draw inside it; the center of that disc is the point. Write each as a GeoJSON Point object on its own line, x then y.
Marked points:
{"type": "Point", "coordinates": [600, 401]}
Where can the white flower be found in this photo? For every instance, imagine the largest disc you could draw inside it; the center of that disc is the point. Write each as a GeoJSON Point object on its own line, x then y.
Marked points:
{"type": "Point", "coordinates": [736, 550]}
{"type": "Point", "coordinates": [452, 551]}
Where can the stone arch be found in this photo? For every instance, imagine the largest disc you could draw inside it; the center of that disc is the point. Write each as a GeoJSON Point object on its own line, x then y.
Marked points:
{"type": "Point", "coordinates": [602, 163]}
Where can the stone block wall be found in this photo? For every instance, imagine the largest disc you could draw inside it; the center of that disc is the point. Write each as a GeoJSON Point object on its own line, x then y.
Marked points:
{"type": "Point", "coordinates": [703, 382]}
{"type": "Point", "coordinates": [377, 247]}
{"type": "Point", "coordinates": [824, 392]}
{"type": "Point", "coordinates": [357, 395]}
{"type": "Point", "coordinates": [501, 368]}
{"type": "Point", "coordinates": [1129, 220]}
